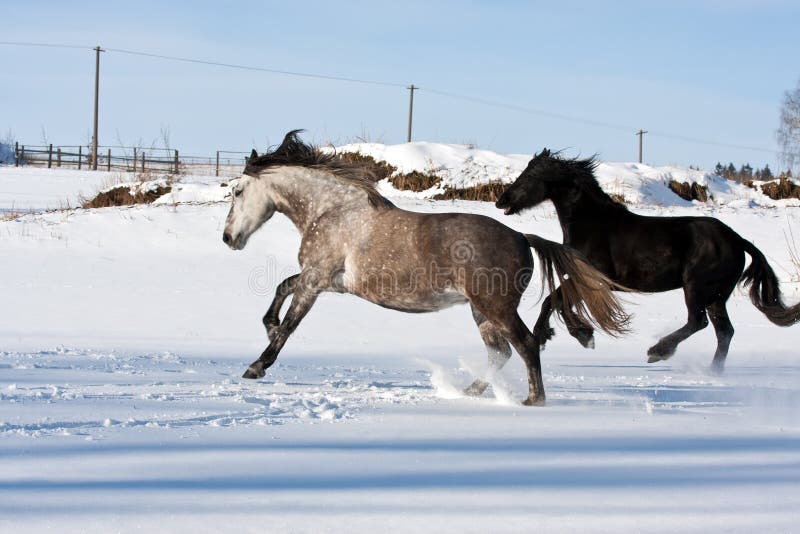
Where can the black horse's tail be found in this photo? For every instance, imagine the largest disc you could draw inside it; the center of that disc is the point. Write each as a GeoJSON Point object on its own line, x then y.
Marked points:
{"type": "Point", "coordinates": [586, 292]}
{"type": "Point", "coordinates": [765, 291]}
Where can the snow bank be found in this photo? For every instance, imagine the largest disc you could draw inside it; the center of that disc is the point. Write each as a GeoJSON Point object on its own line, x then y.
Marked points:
{"type": "Point", "coordinates": [462, 166]}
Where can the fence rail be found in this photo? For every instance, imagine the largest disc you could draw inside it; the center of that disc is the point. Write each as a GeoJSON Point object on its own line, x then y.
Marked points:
{"type": "Point", "coordinates": [129, 159]}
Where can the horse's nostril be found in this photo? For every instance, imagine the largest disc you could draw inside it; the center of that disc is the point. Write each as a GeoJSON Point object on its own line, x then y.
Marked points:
{"type": "Point", "coordinates": [226, 238]}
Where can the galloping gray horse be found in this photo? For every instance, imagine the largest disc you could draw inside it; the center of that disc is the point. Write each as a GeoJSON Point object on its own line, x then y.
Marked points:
{"type": "Point", "coordinates": [355, 241]}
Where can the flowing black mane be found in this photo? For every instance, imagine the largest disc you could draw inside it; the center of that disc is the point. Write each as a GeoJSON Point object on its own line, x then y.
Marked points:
{"type": "Point", "coordinates": [294, 152]}
{"type": "Point", "coordinates": [581, 173]}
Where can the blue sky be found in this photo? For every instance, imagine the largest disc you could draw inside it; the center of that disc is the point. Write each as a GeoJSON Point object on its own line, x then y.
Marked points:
{"type": "Point", "coordinates": [708, 70]}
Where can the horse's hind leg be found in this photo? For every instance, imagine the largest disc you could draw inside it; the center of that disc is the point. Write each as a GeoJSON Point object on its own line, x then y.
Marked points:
{"type": "Point", "coordinates": [697, 320]}
{"type": "Point", "coordinates": [724, 329]}
{"type": "Point", "coordinates": [509, 324]}
{"type": "Point", "coordinates": [497, 347]}
{"type": "Point", "coordinates": [523, 341]}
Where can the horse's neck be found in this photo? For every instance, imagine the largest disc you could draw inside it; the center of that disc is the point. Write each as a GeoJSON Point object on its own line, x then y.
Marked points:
{"type": "Point", "coordinates": [304, 198]}
{"type": "Point", "coordinates": [579, 212]}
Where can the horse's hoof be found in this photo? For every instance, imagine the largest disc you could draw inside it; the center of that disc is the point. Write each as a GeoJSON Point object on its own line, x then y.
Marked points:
{"type": "Point", "coordinates": [657, 354]}
{"type": "Point", "coordinates": [254, 373]}
{"type": "Point", "coordinates": [534, 402]}
{"type": "Point", "coordinates": [717, 369]}
{"type": "Point", "coordinates": [476, 389]}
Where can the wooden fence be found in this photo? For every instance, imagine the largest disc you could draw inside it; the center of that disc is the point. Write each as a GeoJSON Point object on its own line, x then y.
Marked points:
{"type": "Point", "coordinates": [129, 159]}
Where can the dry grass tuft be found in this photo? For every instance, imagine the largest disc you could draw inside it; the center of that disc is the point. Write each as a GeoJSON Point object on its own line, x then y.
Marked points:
{"type": "Point", "coordinates": [781, 189]}
{"type": "Point", "coordinates": [122, 196]}
{"type": "Point", "coordinates": [687, 191]}
{"type": "Point", "coordinates": [488, 192]}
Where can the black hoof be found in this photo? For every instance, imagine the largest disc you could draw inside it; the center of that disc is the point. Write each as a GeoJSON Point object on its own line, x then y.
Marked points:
{"type": "Point", "coordinates": [657, 354]}
{"type": "Point", "coordinates": [254, 372]}
{"type": "Point", "coordinates": [476, 389]}
{"type": "Point", "coordinates": [534, 402]}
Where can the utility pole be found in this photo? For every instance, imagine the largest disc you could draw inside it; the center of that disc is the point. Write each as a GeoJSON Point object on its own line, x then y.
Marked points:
{"type": "Point", "coordinates": [411, 88]}
{"type": "Point", "coordinates": [97, 51]}
{"type": "Point", "coordinates": [640, 133]}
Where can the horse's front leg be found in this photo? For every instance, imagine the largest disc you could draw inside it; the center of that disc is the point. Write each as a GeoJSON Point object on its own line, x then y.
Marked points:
{"type": "Point", "coordinates": [272, 319]}
{"type": "Point", "coordinates": [302, 301]}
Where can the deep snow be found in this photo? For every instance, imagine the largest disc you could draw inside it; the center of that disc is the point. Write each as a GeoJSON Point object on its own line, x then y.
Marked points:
{"type": "Point", "coordinates": [124, 332]}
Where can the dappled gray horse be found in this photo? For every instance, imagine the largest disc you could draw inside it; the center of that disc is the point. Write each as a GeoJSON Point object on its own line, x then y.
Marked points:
{"type": "Point", "coordinates": [355, 241]}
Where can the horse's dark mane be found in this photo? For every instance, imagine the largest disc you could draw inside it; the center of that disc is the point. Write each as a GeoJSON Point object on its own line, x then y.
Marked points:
{"type": "Point", "coordinates": [581, 173]}
{"type": "Point", "coordinates": [294, 152]}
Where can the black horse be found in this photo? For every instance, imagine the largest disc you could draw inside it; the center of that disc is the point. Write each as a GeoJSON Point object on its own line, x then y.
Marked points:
{"type": "Point", "coordinates": [650, 254]}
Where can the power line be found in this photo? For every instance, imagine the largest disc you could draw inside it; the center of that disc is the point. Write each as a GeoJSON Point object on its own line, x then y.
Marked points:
{"type": "Point", "coordinates": [45, 45]}
{"type": "Point", "coordinates": [260, 69]}
{"type": "Point", "coordinates": [447, 94]}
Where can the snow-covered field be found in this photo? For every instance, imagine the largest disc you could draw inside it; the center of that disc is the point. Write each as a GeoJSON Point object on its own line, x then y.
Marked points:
{"type": "Point", "coordinates": [124, 332]}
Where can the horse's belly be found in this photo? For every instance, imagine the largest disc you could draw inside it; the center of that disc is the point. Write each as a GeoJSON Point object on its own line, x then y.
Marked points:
{"type": "Point", "coordinates": [414, 303]}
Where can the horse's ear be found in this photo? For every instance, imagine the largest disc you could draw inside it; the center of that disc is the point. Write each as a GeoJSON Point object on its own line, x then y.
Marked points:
{"type": "Point", "coordinates": [253, 154]}
{"type": "Point", "coordinates": [545, 153]}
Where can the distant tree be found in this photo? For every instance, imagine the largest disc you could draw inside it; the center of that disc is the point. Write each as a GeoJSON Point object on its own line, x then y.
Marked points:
{"type": "Point", "coordinates": [788, 133]}
{"type": "Point", "coordinates": [766, 173]}
{"type": "Point", "coordinates": [719, 170]}
{"type": "Point", "coordinates": [730, 172]}
{"type": "Point", "coordinates": [745, 172]}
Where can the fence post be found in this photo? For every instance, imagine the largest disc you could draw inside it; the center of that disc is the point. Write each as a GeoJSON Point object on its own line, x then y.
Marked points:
{"type": "Point", "coordinates": [134, 160]}
{"type": "Point", "coordinates": [80, 156]}
{"type": "Point", "coordinates": [58, 157]}
{"type": "Point", "coordinates": [176, 162]}
{"type": "Point", "coordinates": [50, 156]}
{"type": "Point", "coordinates": [109, 160]}
{"type": "Point", "coordinates": [217, 172]}
{"type": "Point", "coordinates": [22, 155]}
{"type": "Point", "coordinates": [16, 154]}
{"type": "Point", "coordinates": [142, 160]}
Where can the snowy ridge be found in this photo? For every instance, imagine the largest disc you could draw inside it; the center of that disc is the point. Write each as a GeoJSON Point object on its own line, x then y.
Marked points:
{"type": "Point", "coordinates": [458, 166]}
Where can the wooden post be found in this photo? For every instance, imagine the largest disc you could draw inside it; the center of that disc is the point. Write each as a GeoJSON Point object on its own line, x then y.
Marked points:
{"type": "Point", "coordinates": [217, 172]}
{"type": "Point", "coordinates": [22, 155]}
{"type": "Point", "coordinates": [176, 162]}
{"type": "Point", "coordinates": [97, 50]}
{"type": "Point", "coordinates": [411, 89]}
{"type": "Point", "coordinates": [142, 160]}
{"type": "Point", "coordinates": [109, 160]}
{"type": "Point", "coordinates": [58, 157]}
{"type": "Point", "coordinates": [16, 154]}
{"type": "Point", "coordinates": [134, 160]}
{"type": "Point", "coordinates": [640, 133]}
{"type": "Point", "coordinates": [80, 156]}
{"type": "Point", "coordinates": [50, 156]}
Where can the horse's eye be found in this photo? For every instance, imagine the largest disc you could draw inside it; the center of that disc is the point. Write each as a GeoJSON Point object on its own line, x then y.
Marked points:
{"type": "Point", "coordinates": [238, 192]}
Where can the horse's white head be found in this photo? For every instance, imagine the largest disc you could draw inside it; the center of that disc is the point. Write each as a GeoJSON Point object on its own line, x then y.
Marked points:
{"type": "Point", "coordinates": [251, 206]}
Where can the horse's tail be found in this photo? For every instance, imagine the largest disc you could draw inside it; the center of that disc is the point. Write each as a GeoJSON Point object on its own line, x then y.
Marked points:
{"type": "Point", "coordinates": [765, 291]}
{"type": "Point", "coordinates": [586, 292]}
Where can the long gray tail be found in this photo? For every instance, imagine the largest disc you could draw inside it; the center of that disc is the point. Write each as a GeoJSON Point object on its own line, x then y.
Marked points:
{"type": "Point", "coordinates": [765, 291]}
{"type": "Point", "coordinates": [586, 292]}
